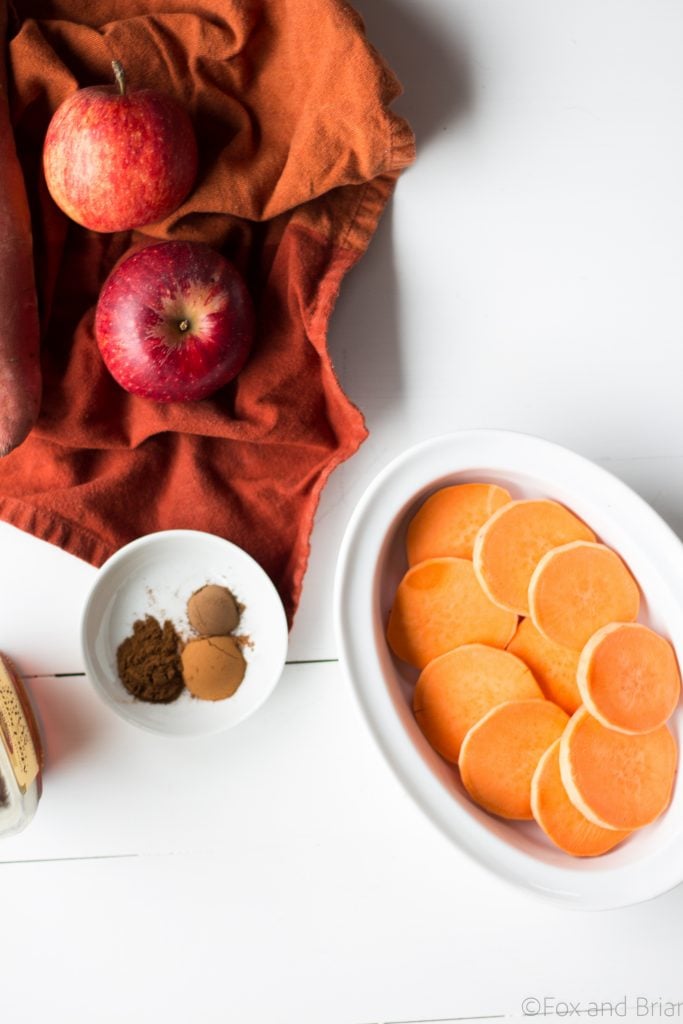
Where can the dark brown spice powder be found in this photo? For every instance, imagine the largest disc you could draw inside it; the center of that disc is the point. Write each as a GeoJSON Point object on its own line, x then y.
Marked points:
{"type": "Point", "coordinates": [148, 662]}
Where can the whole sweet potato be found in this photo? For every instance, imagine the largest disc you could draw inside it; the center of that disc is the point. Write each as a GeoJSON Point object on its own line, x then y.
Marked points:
{"type": "Point", "coordinates": [20, 382]}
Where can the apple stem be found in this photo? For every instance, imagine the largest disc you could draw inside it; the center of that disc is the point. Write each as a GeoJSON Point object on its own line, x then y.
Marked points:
{"type": "Point", "coordinates": [183, 325]}
{"type": "Point", "coordinates": [120, 76]}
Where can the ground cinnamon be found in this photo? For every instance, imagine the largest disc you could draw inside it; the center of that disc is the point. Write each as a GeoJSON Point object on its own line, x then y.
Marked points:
{"type": "Point", "coordinates": [148, 662]}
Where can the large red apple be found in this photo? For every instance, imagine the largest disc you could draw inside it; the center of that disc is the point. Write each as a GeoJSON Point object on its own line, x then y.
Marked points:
{"type": "Point", "coordinates": [116, 159]}
{"type": "Point", "coordinates": [174, 322]}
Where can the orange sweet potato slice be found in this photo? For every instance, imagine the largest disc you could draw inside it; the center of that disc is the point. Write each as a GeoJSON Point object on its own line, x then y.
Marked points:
{"type": "Point", "coordinates": [554, 667]}
{"type": "Point", "coordinates": [499, 754]}
{"type": "Point", "coordinates": [511, 543]}
{"type": "Point", "coordinates": [439, 605]}
{"type": "Point", "coordinates": [578, 588]}
{"type": "Point", "coordinates": [457, 689]}
{"type": "Point", "coordinates": [614, 780]}
{"type": "Point", "coordinates": [628, 677]}
{"type": "Point", "coordinates": [448, 521]}
{"type": "Point", "coordinates": [559, 819]}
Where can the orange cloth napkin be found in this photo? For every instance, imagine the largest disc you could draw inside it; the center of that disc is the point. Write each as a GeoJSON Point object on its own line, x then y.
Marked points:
{"type": "Point", "coordinates": [298, 156]}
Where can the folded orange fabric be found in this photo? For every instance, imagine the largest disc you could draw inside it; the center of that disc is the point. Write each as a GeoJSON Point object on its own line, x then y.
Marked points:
{"type": "Point", "coordinates": [298, 156]}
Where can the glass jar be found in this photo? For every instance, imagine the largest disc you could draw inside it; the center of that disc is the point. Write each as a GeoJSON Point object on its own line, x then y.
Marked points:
{"type": "Point", "coordinates": [20, 753]}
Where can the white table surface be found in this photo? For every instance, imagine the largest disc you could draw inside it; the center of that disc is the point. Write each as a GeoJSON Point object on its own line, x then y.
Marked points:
{"type": "Point", "coordinates": [528, 275]}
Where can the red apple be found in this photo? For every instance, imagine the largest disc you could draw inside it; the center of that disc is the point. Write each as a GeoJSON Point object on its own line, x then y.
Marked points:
{"type": "Point", "coordinates": [174, 322]}
{"type": "Point", "coordinates": [116, 159]}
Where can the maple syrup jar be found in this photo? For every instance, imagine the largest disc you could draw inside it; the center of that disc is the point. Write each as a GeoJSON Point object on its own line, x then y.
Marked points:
{"type": "Point", "coordinates": [20, 753]}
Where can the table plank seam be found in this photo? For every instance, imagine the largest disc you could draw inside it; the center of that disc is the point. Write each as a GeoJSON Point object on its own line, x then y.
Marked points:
{"type": "Point", "coordinates": [81, 675]}
{"type": "Point", "coordinates": [81, 857]}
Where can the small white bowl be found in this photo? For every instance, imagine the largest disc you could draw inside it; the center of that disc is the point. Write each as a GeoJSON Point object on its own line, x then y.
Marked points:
{"type": "Point", "coordinates": [155, 575]}
{"type": "Point", "coordinates": [371, 563]}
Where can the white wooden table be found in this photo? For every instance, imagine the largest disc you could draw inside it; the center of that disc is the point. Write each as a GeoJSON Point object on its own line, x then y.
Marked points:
{"type": "Point", "coordinates": [528, 275]}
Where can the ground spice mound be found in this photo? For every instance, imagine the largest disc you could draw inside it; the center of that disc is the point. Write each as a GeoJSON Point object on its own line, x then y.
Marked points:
{"type": "Point", "coordinates": [213, 611]}
{"type": "Point", "coordinates": [213, 667]}
{"type": "Point", "coordinates": [148, 662]}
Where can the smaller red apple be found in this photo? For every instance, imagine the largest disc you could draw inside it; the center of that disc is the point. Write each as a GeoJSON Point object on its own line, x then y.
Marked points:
{"type": "Point", "coordinates": [174, 322]}
{"type": "Point", "coordinates": [116, 159]}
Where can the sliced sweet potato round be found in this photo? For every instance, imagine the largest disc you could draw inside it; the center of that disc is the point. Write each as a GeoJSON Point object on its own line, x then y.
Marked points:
{"type": "Point", "coordinates": [499, 754]}
{"type": "Point", "coordinates": [615, 780]}
{"type": "Point", "coordinates": [511, 543]}
{"type": "Point", "coordinates": [458, 688]}
{"type": "Point", "coordinates": [628, 677]}
{"type": "Point", "coordinates": [578, 588]}
{"type": "Point", "coordinates": [446, 524]}
{"type": "Point", "coordinates": [559, 819]}
{"type": "Point", "coordinates": [439, 605]}
{"type": "Point", "coordinates": [554, 667]}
